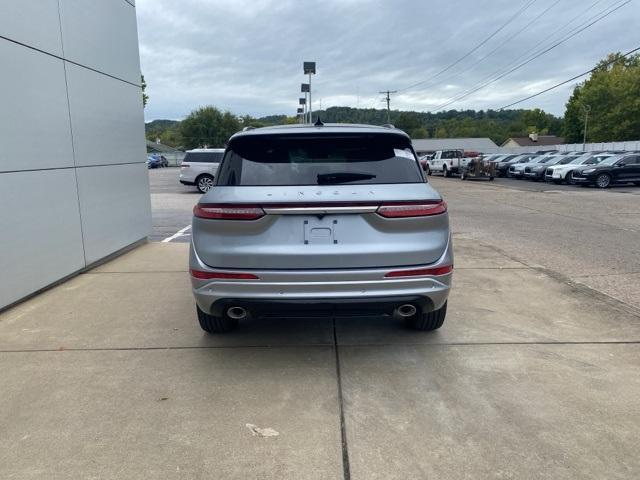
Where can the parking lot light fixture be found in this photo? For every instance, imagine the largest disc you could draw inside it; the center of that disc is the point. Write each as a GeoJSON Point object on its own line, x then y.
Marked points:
{"type": "Point", "coordinates": [309, 68]}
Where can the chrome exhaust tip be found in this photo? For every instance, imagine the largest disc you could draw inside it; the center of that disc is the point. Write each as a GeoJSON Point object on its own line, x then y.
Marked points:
{"type": "Point", "coordinates": [406, 310]}
{"type": "Point", "coordinates": [237, 313]}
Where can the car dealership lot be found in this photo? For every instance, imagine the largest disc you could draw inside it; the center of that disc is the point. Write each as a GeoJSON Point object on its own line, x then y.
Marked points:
{"type": "Point", "coordinates": [533, 375]}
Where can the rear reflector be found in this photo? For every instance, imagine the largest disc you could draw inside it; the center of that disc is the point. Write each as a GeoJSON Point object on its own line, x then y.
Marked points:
{"type": "Point", "coordinates": [421, 272]}
{"type": "Point", "coordinates": [201, 275]}
{"type": "Point", "coordinates": [412, 210]}
{"type": "Point", "coordinates": [228, 212]}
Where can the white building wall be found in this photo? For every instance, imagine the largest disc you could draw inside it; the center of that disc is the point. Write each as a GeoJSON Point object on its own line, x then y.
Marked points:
{"type": "Point", "coordinates": [73, 178]}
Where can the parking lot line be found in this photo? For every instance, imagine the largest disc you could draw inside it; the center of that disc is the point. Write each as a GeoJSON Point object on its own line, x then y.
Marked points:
{"type": "Point", "coordinates": [178, 234]}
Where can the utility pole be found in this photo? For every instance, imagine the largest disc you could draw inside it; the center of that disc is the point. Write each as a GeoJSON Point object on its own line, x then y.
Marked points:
{"type": "Point", "coordinates": [388, 99]}
{"type": "Point", "coordinates": [587, 110]}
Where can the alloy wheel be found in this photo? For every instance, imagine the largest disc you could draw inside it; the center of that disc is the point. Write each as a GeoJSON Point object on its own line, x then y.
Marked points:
{"type": "Point", "coordinates": [205, 184]}
{"type": "Point", "coordinates": [603, 180]}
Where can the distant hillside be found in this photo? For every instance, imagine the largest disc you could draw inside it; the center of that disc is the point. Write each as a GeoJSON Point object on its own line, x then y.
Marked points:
{"type": "Point", "coordinates": [159, 126]}
{"type": "Point", "coordinates": [494, 124]}
{"type": "Point", "coordinates": [498, 125]}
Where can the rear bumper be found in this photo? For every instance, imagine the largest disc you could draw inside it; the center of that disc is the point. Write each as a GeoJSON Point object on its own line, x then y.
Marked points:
{"type": "Point", "coordinates": [323, 292]}
{"type": "Point", "coordinates": [187, 176]}
{"type": "Point", "coordinates": [321, 308]}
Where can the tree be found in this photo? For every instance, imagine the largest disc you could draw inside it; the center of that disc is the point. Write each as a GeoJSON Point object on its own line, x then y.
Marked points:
{"type": "Point", "coordinates": [208, 127]}
{"type": "Point", "coordinates": [612, 94]}
{"type": "Point", "coordinates": [145, 97]}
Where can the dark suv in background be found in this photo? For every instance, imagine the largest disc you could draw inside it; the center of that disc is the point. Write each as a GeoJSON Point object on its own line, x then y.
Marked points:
{"type": "Point", "coordinates": [617, 169]}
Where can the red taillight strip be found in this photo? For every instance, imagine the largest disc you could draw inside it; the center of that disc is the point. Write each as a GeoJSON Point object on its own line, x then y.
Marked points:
{"type": "Point", "coordinates": [228, 212]}
{"type": "Point", "coordinates": [408, 209]}
{"type": "Point", "coordinates": [426, 209]}
{"type": "Point", "coordinates": [421, 272]}
{"type": "Point", "coordinates": [204, 275]}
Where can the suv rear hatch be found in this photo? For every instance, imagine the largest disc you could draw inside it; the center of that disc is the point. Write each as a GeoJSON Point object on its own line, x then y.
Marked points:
{"type": "Point", "coordinates": [320, 201]}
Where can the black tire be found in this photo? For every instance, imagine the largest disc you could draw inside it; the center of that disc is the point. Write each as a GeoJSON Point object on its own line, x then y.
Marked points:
{"type": "Point", "coordinates": [211, 324]}
{"type": "Point", "coordinates": [569, 178]}
{"type": "Point", "coordinates": [491, 179]}
{"type": "Point", "coordinates": [603, 180]}
{"type": "Point", "coordinates": [204, 183]}
{"type": "Point", "coordinates": [445, 171]}
{"type": "Point", "coordinates": [428, 321]}
{"type": "Point", "coordinates": [428, 170]}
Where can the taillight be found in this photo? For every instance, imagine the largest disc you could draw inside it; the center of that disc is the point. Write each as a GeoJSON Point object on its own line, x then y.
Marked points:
{"type": "Point", "coordinates": [421, 272]}
{"type": "Point", "coordinates": [202, 275]}
{"type": "Point", "coordinates": [228, 212]}
{"type": "Point", "coordinates": [423, 209]}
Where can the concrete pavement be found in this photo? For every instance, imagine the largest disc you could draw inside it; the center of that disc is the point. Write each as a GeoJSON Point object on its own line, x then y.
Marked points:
{"type": "Point", "coordinates": [109, 376]}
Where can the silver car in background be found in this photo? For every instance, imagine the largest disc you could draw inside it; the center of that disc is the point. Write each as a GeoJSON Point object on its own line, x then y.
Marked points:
{"type": "Point", "coordinates": [326, 220]}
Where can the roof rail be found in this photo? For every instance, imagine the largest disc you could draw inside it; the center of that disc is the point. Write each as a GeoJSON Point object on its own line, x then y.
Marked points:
{"type": "Point", "coordinates": [389, 125]}
{"type": "Point", "coordinates": [248, 128]}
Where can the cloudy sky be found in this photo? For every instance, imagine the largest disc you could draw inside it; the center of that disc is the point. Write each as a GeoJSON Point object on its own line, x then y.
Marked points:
{"type": "Point", "coordinates": [246, 55]}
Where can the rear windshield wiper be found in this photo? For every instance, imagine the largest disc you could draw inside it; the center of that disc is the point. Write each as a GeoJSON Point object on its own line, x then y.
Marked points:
{"type": "Point", "coordinates": [342, 177]}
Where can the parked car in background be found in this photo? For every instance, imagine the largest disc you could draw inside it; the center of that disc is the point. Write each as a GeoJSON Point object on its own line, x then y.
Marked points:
{"type": "Point", "coordinates": [562, 172]}
{"type": "Point", "coordinates": [200, 167]}
{"type": "Point", "coordinates": [154, 161]}
{"type": "Point", "coordinates": [505, 161]}
{"type": "Point", "coordinates": [490, 157]}
{"type": "Point", "coordinates": [536, 172]}
{"type": "Point", "coordinates": [623, 168]}
{"type": "Point", "coordinates": [323, 220]}
{"type": "Point", "coordinates": [516, 170]}
{"type": "Point", "coordinates": [424, 162]}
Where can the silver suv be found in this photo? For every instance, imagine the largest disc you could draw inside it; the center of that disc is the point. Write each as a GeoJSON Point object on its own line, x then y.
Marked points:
{"type": "Point", "coordinates": [324, 220]}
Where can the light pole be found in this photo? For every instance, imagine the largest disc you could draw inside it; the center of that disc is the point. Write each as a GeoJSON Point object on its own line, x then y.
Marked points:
{"type": "Point", "coordinates": [309, 68]}
{"type": "Point", "coordinates": [303, 102]}
{"type": "Point", "coordinates": [306, 89]}
{"type": "Point", "coordinates": [587, 110]}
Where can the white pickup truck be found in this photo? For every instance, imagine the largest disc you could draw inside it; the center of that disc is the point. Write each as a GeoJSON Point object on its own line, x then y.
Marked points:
{"type": "Point", "coordinates": [447, 162]}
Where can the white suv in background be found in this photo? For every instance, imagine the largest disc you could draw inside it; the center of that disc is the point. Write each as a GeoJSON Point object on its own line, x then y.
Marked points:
{"type": "Point", "coordinates": [200, 167]}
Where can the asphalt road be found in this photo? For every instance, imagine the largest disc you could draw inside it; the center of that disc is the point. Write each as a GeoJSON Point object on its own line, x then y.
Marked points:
{"type": "Point", "coordinates": [584, 235]}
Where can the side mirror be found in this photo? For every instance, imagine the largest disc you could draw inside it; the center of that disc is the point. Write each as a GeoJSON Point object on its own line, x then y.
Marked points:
{"type": "Point", "coordinates": [621, 164]}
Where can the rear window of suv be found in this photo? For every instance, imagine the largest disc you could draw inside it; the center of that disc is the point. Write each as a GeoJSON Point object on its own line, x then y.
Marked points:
{"type": "Point", "coordinates": [203, 157]}
{"type": "Point", "coordinates": [261, 160]}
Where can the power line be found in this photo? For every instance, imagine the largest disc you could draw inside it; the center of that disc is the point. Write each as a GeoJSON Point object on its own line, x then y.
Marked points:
{"type": "Point", "coordinates": [531, 58]}
{"type": "Point", "coordinates": [631, 52]}
{"type": "Point", "coordinates": [515, 34]}
{"type": "Point", "coordinates": [513, 17]}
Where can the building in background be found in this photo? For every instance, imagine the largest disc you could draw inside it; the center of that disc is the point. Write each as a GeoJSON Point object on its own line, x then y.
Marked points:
{"type": "Point", "coordinates": [73, 178]}
{"type": "Point", "coordinates": [430, 145]}
{"type": "Point", "coordinates": [533, 140]}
